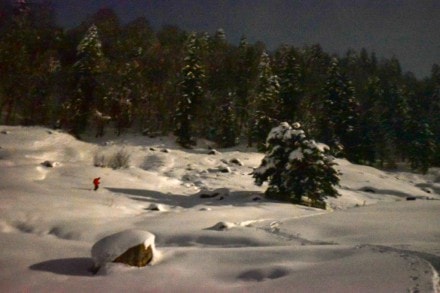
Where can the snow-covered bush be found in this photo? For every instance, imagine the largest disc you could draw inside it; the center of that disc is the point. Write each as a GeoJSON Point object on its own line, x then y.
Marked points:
{"type": "Point", "coordinates": [296, 167]}
{"type": "Point", "coordinates": [120, 159]}
{"type": "Point", "coordinates": [117, 160]}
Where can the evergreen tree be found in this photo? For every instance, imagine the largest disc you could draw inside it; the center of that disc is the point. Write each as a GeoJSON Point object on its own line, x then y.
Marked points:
{"type": "Point", "coordinates": [433, 96]}
{"type": "Point", "coordinates": [296, 167]}
{"type": "Point", "coordinates": [217, 64]}
{"type": "Point", "coordinates": [246, 75]}
{"type": "Point", "coordinates": [369, 128]}
{"type": "Point", "coordinates": [266, 103]}
{"type": "Point", "coordinates": [28, 58]}
{"type": "Point", "coordinates": [218, 67]}
{"type": "Point", "coordinates": [87, 70]}
{"type": "Point", "coordinates": [314, 64]}
{"type": "Point", "coordinates": [289, 72]}
{"type": "Point", "coordinates": [421, 147]}
{"type": "Point", "coordinates": [227, 134]}
{"type": "Point", "coordinates": [339, 121]}
{"type": "Point", "coordinates": [191, 94]}
{"type": "Point", "coordinates": [107, 23]}
{"type": "Point", "coordinates": [395, 120]}
{"type": "Point", "coordinates": [162, 64]}
{"type": "Point", "coordinates": [121, 83]}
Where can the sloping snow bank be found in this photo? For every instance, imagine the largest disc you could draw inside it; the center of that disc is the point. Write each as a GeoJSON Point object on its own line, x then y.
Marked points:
{"type": "Point", "coordinates": [50, 218]}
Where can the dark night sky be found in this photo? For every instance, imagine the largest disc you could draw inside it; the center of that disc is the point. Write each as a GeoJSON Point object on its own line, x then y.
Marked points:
{"type": "Point", "coordinates": [407, 29]}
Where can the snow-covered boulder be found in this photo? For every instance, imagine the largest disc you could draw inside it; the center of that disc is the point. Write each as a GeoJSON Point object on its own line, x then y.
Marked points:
{"type": "Point", "coordinates": [221, 226]}
{"type": "Point", "coordinates": [213, 152]}
{"type": "Point", "coordinates": [236, 161]}
{"type": "Point", "coordinates": [130, 247]}
{"type": "Point", "coordinates": [220, 169]}
{"type": "Point", "coordinates": [156, 207]}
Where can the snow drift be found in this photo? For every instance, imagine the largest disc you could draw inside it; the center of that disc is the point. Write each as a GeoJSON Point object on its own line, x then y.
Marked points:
{"type": "Point", "coordinates": [371, 240]}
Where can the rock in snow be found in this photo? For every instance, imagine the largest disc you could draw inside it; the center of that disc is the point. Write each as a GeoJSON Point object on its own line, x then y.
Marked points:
{"type": "Point", "coordinates": [131, 247]}
{"type": "Point", "coordinates": [156, 207]}
{"type": "Point", "coordinates": [50, 164]}
{"type": "Point", "coordinates": [213, 152]}
{"type": "Point", "coordinates": [236, 162]}
{"type": "Point", "coordinates": [221, 226]}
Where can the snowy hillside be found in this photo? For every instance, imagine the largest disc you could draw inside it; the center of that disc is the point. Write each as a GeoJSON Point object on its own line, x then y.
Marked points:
{"type": "Point", "coordinates": [213, 229]}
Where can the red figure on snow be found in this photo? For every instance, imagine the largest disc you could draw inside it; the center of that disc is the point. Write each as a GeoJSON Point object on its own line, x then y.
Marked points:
{"type": "Point", "coordinates": [96, 183]}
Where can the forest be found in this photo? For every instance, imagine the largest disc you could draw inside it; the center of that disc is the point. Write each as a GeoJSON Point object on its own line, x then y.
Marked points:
{"type": "Point", "coordinates": [106, 76]}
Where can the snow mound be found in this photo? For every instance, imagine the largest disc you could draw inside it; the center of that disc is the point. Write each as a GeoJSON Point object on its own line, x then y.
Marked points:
{"type": "Point", "coordinates": [221, 226]}
{"type": "Point", "coordinates": [109, 248]}
{"type": "Point", "coordinates": [157, 207]}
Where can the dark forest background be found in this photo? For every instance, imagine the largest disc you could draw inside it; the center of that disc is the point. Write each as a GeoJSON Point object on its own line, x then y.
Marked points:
{"type": "Point", "coordinates": [107, 76]}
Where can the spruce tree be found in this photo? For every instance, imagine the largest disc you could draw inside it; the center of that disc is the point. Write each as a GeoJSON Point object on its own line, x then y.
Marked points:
{"type": "Point", "coordinates": [87, 70]}
{"type": "Point", "coordinates": [421, 147]}
{"type": "Point", "coordinates": [217, 64]}
{"type": "Point", "coordinates": [246, 75]}
{"type": "Point", "coordinates": [289, 73]}
{"type": "Point", "coordinates": [191, 94]}
{"type": "Point", "coordinates": [393, 123]}
{"type": "Point", "coordinates": [296, 167]}
{"type": "Point", "coordinates": [227, 134]}
{"type": "Point", "coordinates": [433, 95]}
{"type": "Point", "coordinates": [340, 117]}
{"type": "Point", "coordinates": [266, 102]}
{"type": "Point", "coordinates": [28, 63]}
{"type": "Point", "coordinates": [369, 128]}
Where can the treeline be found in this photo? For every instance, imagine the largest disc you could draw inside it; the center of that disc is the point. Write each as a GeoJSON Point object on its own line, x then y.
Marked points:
{"type": "Point", "coordinates": [104, 73]}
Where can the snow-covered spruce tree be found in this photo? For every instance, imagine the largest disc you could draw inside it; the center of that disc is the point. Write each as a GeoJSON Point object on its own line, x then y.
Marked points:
{"type": "Point", "coordinates": [191, 93]}
{"type": "Point", "coordinates": [266, 103]}
{"type": "Point", "coordinates": [296, 167]}
{"type": "Point", "coordinates": [87, 69]}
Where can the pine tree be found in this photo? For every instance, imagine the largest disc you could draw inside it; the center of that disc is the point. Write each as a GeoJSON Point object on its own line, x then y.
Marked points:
{"type": "Point", "coordinates": [266, 103]}
{"type": "Point", "coordinates": [421, 148]}
{"type": "Point", "coordinates": [89, 52]}
{"type": "Point", "coordinates": [227, 134]}
{"type": "Point", "coordinates": [289, 73]}
{"type": "Point", "coordinates": [369, 128]}
{"type": "Point", "coordinates": [191, 94]}
{"type": "Point", "coordinates": [296, 167]}
{"type": "Point", "coordinates": [88, 68]}
{"type": "Point", "coordinates": [433, 96]}
{"type": "Point", "coordinates": [246, 75]}
{"type": "Point", "coordinates": [340, 118]}
{"type": "Point", "coordinates": [394, 121]}
{"type": "Point", "coordinates": [217, 64]}
{"type": "Point", "coordinates": [28, 49]}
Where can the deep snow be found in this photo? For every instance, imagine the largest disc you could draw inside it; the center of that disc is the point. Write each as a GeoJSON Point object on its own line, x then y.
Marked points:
{"type": "Point", "coordinates": [371, 240]}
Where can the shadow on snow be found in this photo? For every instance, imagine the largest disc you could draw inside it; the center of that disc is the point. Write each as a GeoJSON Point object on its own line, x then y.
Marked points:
{"type": "Point", "coordinates": [80, 266]}
{"type": "Point", "coordinates": [233, 198]}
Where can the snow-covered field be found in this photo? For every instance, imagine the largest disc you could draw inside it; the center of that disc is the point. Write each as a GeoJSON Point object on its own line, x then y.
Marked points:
{"type": "Point", "coordinates": [371, 240]}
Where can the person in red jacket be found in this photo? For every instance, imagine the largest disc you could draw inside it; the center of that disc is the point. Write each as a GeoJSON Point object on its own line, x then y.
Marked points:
{"type": "Point", "coordinates": [96, 183]}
